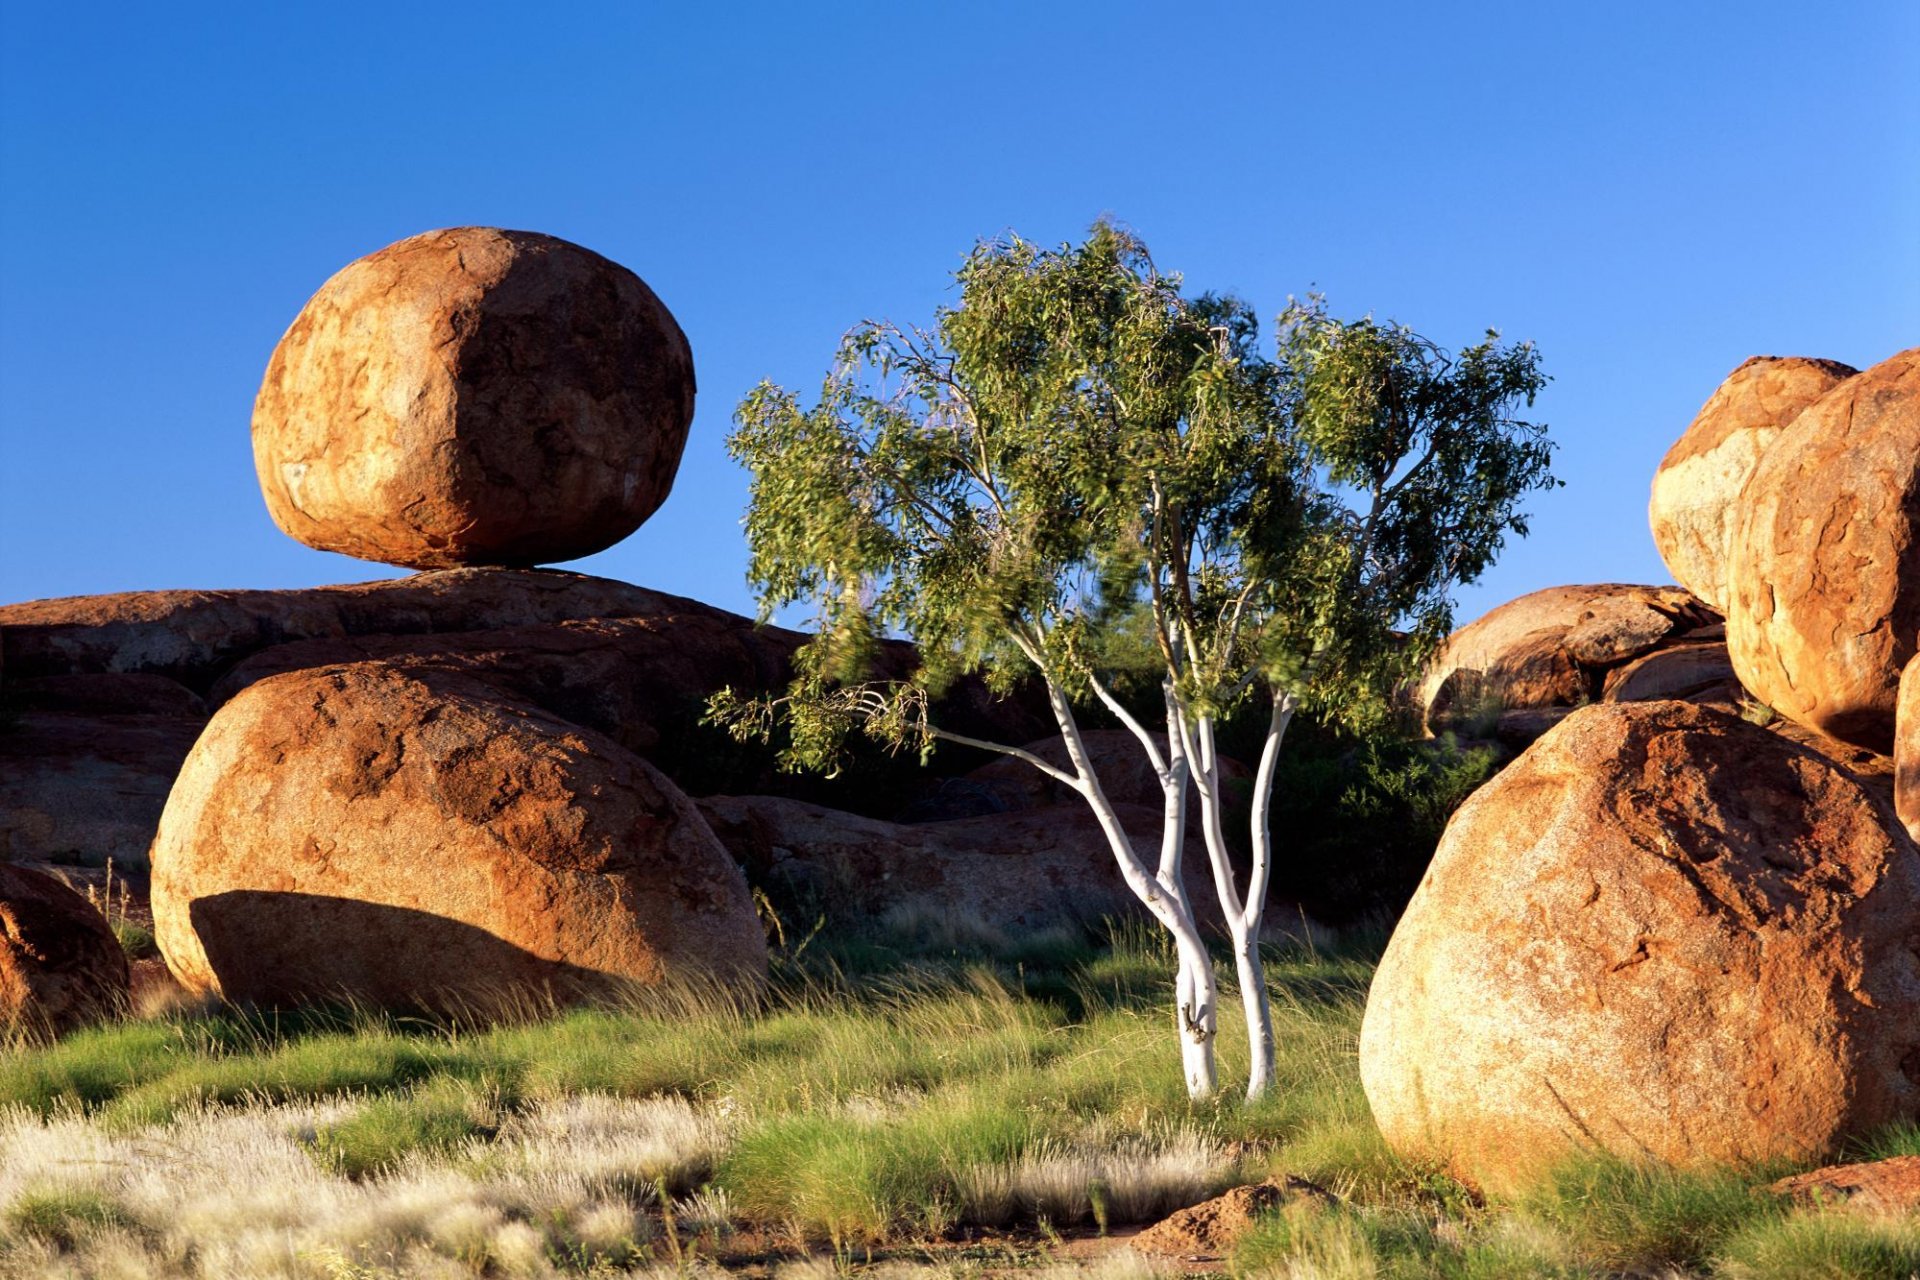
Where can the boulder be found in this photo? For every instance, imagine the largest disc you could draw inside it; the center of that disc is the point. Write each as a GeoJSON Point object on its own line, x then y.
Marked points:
{"type": "Point", "coordinates": [1890, 1186]}
{"type": "Point", "coordinates": [1552, 648]}
{"type": "Point", "coordinates": [1662, 932]}
{"type": "Point", "coordinates": [1032, 869]}
{"type": "Point", "coordinates": [474, 397]}
{"type": "Point", "coordinates": [1687, 672]}
{"type": "Point", "coordinates": [60, 965]}
{"type": "Point", "coordinates": [1823, 568]}
{"type": "Point", "coordinates": [1696, 491]}
{"type": "Point", "coordinates": [410, 838]}
{"type": "Point", "coordinates": [1906, 750]}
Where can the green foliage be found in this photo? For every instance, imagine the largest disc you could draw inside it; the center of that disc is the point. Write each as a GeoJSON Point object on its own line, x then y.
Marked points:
{"type": "Point", "coordinates": [440, 1117]}
{"type": "Point", "coordinates": [1823, 1246]}
{"type": "Point", "coordinates": [135, 939]}
{"type": "Point", "coordinates": [1357, 819]}
{"type": "Point", "coordinates": [1629, 1214]}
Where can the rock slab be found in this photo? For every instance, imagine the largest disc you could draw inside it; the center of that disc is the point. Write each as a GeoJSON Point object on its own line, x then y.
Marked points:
{"type": "Point", "coordinates": [1823, 568]}
{"type": "Point", "coordinates": [418, 838]}
{"type": "Point", "coordinates": [474, 396]}
{"type": "Point", "coordinates": [1662, 932]}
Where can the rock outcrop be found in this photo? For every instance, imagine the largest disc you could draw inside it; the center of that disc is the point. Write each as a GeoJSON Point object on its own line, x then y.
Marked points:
{"type": "Point", "coordinates": [418, 838]}
{"type": "Point", "coordinates": [1032, 869]}
{"type": "Point", "coordinates": [1696, 491]}
{"type": "Point", "coordinates": [86, 763]}
{"type": "Point", "coordinates": [1663, 932]}
{"type": "Point", "coordinates": [60, 965]}
{"type": "Point", "coordinates": [474, 397]}
{"type": "Point", "coordinates": [1211, 1229]}
{"type": "Point", "coordinates": [1823, 607]}
{"type": "Point", "coordinates": [1516, 671]}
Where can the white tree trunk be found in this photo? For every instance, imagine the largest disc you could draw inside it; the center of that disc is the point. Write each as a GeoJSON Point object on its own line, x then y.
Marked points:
{"type": "Point", "coordinates": [1160, 889]}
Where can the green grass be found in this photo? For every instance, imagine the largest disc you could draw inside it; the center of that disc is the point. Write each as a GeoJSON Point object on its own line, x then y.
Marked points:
{"type": "Point", "coordinates": [895, 1087]}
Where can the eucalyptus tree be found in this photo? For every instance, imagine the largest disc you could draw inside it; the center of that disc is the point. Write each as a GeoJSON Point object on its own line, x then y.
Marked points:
{"type": "Point", "coordinates": [1076, 445]}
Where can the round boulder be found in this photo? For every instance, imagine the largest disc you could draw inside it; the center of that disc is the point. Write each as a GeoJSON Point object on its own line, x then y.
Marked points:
{"type": "Point", "coordinates": [410, 838]}
{"type": "Point", "coordinates": [1823, 568]}
{"type": "Point", "coordinates": [474, 397]}
{"type": "Point", "coordinates": [1662, 932]}
{"type": "Point", "coordinates": [60, 965]}
{"type": "Point", "coordinates": [1696, 491]}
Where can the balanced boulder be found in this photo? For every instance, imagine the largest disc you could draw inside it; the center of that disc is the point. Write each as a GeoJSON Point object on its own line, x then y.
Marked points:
{"type": "Point", "coordinates": [1662, 932]}
{"type": "Point", "coordinates": [1823, 605]}
{"type": "Point", "coordinates": [419, 838]}
{"type": "Point", "coordinates": [1696, 491]}
{"type": "Point", "coordinates": [474, 397]}
{"type": "Point", "coordinates": [60, 965]}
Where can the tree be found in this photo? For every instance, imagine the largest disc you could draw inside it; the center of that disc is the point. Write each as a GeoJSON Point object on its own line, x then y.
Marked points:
{"type": "Point", "coordinates": [1075, 445]}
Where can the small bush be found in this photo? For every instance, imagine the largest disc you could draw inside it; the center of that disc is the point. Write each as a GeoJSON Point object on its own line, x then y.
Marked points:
{"type": "Point", "coordinates": [1621, 1213]}
{"type": "Point", "coordinates": [437, 1119]}
{"type": "Point", "coordinates": [64, 1216]}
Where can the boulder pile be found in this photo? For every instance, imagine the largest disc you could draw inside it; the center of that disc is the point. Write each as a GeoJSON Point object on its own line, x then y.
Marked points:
{"type": "Point", "coordinates": [1684, 925]}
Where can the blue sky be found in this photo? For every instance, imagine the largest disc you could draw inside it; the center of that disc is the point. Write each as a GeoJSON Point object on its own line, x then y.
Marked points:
{"type": "Point", "coordinates": [1651, 192]}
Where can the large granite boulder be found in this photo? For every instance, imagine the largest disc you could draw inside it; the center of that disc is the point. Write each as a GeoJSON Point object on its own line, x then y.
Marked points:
{"type": "Point", "coordinates": [474, 396]}
{"type": "Point", "coordinates": [1662, 932]}
{"type": "Point", "coordinates": [419, 838]}
{"type": "Point", "coordinates": [1823, 607]}
{"type": "Point", "coordinates": [60, 965]}
{"type": "Point", "coordinates": [1696, 491]}
{"type": "Point", "coordinates": [1517, 670]}
{"type": "Point", "coordinates": [1032, 869]}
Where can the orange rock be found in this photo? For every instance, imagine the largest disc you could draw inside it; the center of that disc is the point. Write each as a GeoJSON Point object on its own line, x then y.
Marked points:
{"type": "Point", "coordinates": [1697, 488]}
{"type": "Point", "coordinates": [1889, 1186]}
{"type": "Point", "coordinates": [1823, 605]}
{"type": "Point", "coordinates": [1662, 932]}
{"type": "Point", "coordinates": [1550, 648]}
{"type": "Point", "coordinates": [60, 965]}
{"type": "Point", "coordinates": [1210, 1229]}
{"type": "Point", "coordinates": [1906, 750]}
{"type": "Point", "coordinates": [474, 396]}
{"type": "Point", "coordinates": [409, 838]}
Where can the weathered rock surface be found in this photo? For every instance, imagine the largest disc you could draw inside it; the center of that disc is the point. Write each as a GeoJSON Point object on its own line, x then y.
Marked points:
{"type": "Point", "coordinates": [408, 838]}
{"type": "Point", "coordinates": [1211, 1229]}
{"type": "Point", "coordinates": [1889, 1186]}
{"type": "Point", "coordinates": [1554, 648]}
{"type": "Point", "coordinates": [1662, 932]}
{"type": "Point", "coordinates": [1823, 607]}
{"type": "Point", "coordinates": [194, 637]}
{"type": "Point", "coordinates": [78, 788]}
{"type": "Point", "coordinates": [60, 965]}
{"type": "Point", "coordinates": [1696, 491]}
{"type": "Point", "coordinates": [1906, 750]}
{"type": "Point", "coordinates": [1032, 869]}
{"type": "Point", "coordinates": [474, 396]}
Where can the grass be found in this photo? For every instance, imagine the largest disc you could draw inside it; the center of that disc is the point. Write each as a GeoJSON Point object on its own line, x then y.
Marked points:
{"type": "Point", "coordinates": [895, 1091]}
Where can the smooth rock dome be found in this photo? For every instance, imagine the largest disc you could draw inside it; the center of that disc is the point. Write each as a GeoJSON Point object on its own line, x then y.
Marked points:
{"type": "Point", "coordinates": [474, 397]}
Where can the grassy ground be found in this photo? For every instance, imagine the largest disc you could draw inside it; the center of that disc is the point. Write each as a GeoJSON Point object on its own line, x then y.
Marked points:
{"type": "Point", "coordinates": [915, 1102]}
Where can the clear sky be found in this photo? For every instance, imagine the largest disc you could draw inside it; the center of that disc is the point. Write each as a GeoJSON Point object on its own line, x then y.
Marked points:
{"type": "Point", "coordinates": [1650, 191]}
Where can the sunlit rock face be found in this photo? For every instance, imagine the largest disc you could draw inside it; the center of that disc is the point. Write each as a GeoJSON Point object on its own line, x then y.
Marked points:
{"type": "Point", "coordinates": [1823, 568]}
{"type": "Point", "coordinates": [1696, 491]}
{"type": "Point", "coordinates": [474, 397]}
{"type": "Point", "coordinates": [1661, 932]}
